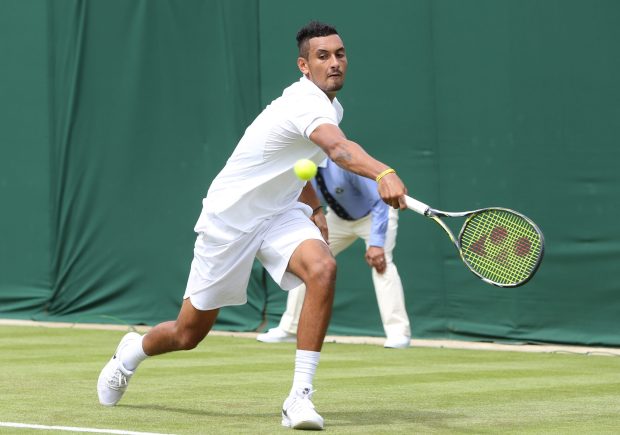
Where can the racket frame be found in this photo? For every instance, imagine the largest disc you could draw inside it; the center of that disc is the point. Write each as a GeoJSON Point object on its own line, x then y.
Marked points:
{"type": "Point", "coordinates": [436, 215]}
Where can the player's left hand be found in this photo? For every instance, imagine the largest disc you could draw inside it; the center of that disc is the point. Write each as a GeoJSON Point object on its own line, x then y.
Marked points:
{"type": "Point", "coordinates": [375, 257]}
{"type": "Point", "coordinates": [319, 220]}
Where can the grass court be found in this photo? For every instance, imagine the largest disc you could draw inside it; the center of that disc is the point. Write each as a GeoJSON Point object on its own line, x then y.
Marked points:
{"type": "Point", "coordinates": [233, 385]}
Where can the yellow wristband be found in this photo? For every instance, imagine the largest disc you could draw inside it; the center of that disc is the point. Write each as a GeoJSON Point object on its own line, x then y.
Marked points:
{"type": "Point", "coordinates": [384, 173]}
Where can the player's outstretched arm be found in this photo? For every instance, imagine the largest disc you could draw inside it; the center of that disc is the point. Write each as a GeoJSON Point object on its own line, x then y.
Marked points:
{"type": "Point", "coordinates": [352, 157]}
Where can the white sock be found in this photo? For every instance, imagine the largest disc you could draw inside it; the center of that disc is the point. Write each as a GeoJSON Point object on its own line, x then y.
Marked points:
{"type": "Point", "coordinates": [306, 362]}
{"type": "Point", "coordinates": [132, 354]}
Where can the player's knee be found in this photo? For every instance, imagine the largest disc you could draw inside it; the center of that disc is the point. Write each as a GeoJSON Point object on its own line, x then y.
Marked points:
{"type": "Point", "coordinates": [324, 271]}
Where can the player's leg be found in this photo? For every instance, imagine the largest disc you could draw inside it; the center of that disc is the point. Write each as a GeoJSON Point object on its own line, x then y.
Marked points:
{"type": "Point", "coordinates": [184, 333]}
{"type": "Point", "coordinates": [340, 237]}
{"type": "Point", "coordinates": [294, 252]}
{"type": "Point", "coordinates": [191, 326]}
{"type": "Point", "coordinates": [219, 276]}
{"type": "Point", "coordinates": [314, 264]}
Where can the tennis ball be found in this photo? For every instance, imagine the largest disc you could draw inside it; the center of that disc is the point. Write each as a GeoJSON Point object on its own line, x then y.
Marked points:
{"type": "Point", "coordinates": [305, 169]}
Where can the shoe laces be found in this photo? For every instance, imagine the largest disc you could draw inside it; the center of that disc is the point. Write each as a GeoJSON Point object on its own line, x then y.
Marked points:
{"type": "Point", "coordinates": [306, 393]}
{"type": "Point", "coordinates": [118, 380]}
{"type": "Point", "coordinates": [301, 400]}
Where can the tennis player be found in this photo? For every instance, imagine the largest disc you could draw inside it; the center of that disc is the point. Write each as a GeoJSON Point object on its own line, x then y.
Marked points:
{"type": "Point", "coordinates": [257, 208]}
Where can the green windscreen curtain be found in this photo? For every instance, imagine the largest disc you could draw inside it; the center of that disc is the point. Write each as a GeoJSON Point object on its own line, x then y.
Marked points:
{"type": "Point", "coordinates": [140, 104]}
{"type": "Point", "coordinates": [24, 159]}
{"type": "Point", "coordinates": [116, 115]}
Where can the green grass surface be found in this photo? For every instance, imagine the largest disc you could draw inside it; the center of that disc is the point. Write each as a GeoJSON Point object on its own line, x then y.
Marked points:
{"type": "Point", "coordinates": [237, 385]}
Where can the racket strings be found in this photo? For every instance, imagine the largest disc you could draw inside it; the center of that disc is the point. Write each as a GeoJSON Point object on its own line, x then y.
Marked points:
{"type": "Point", "coordinates": [501, 246]}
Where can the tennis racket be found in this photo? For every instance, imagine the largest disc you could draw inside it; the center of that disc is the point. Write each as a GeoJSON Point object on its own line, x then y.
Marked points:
{"type": "Point", "coordinates": [500, 246]}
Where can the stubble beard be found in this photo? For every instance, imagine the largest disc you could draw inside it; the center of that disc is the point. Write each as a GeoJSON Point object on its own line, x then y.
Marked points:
{"type": "Point", "coordinates": [334, 87]}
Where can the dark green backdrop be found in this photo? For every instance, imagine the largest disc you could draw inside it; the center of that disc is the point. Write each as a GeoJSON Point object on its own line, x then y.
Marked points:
{"type": "Point", "coordinates": [116, 114]}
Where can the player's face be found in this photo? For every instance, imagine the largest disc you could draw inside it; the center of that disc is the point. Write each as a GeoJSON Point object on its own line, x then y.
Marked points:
{"type": "Point", "coordinates": [326, 65]}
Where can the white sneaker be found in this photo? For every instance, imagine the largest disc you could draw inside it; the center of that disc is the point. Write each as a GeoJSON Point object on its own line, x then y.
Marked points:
{"type": "Point", "coordinates": [114, 378]}
{"type": "Point", "coordinates": [397, 342]}
{"type": "Point", "coordinates": [298, 412]}
{"type": "Point", "coordinates": [277, 335]}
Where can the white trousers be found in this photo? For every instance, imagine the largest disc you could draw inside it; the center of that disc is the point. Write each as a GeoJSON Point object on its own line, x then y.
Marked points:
{"type": "Point", "coordinates": [388, 285]}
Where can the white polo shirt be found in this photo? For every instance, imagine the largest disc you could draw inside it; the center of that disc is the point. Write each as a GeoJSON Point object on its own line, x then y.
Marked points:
{"type": "Point", "coordinates": [258, 179]}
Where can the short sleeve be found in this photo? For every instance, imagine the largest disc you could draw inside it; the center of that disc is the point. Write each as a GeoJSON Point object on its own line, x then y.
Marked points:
{"type": "Point", "coordinates": [311, 112]}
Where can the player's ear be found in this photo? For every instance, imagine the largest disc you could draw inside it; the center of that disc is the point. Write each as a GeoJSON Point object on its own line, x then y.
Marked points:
{"type": "Point", "coordinates": [302, 64]}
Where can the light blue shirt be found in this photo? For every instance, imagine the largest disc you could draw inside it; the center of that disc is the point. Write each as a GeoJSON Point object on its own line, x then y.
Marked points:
{"type": "Point", "coordinates": [358, 196]}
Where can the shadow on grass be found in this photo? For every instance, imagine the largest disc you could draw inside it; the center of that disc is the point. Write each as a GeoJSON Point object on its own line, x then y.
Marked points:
{"type": "Point", "coordinates": [333, 419]}
{"type": "Point", "coordinates": [385, 418]}
{"type": "Point", "coordinates": [186, 411]}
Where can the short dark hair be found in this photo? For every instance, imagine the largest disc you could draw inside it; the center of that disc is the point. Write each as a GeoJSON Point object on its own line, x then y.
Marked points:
{"type": "Point", "coordinates": [311, 30]}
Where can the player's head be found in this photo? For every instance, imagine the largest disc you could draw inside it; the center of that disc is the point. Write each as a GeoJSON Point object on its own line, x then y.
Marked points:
{"type": "Point", "coordinates": [314, 29]}
{"type": "Point", "coordinates": [322, 57]}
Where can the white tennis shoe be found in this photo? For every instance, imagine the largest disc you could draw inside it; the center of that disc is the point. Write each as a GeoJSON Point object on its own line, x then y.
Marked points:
{"type": "Point", "coordinates": [277, 335]}
{"type": "Point", "coordinates": [298, 412]}
{"type": "Point", "coordinates": [114, 378]}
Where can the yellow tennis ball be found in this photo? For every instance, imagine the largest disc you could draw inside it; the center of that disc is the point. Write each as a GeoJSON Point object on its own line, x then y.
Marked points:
{"type": "Point", "coordinates": [305, 169]}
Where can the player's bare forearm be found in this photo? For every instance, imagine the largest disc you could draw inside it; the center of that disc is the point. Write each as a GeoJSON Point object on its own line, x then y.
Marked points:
{"type": "Point", "coordinates": [352, 157]}
{"type": "Point", "coordinates": [346, 153]}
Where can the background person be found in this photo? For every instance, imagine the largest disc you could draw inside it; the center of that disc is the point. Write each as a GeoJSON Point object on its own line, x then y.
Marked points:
{"type": "Point", "coordinates": [355, 211]}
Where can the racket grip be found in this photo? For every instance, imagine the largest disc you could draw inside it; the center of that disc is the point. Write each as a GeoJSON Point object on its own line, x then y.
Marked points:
{"type": "Point", "coordinates": [415, 205]}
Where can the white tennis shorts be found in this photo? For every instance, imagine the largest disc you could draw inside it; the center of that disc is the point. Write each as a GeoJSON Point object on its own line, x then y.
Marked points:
{"type": "Point", "coordinates": [223, 257]}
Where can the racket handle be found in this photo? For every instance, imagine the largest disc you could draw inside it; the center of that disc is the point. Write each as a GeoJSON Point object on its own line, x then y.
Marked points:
{"type": "Point", "coordinates": [415, 205]}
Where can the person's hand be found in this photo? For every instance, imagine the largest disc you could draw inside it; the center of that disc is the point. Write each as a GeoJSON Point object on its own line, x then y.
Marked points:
{"type": "Point", "coordinates": [392, 191]}
{"type": "Point", "coordinates": [319, 220]}
{"type": "Point", "coordinates": [375, 257]}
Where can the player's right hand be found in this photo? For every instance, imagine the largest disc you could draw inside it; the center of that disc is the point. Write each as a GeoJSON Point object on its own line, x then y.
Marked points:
{"type": "Point", "coordinates": [392, 191]}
